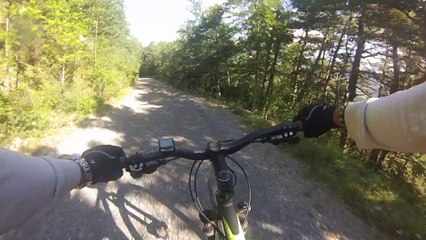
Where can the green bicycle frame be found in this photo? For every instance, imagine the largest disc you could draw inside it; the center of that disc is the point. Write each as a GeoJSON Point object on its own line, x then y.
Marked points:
{"type": "Point", "coordinates": [230, 235]}
{"type": "Point", "coordinates": [225, 198]}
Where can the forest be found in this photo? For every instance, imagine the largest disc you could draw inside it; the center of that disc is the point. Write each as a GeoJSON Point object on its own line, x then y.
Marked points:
{"type": "Point", "coordinates": [272, 57]}
{"type": "Point", "coordinates": [61, 60]}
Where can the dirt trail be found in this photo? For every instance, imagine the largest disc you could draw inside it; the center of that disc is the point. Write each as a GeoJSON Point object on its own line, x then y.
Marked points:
{"type": "Point", "coordinates": [285, 205]}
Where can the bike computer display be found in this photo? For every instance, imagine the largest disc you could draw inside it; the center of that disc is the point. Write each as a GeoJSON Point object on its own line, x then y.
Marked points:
{"type": "Point", "coordinates": [166, 144]}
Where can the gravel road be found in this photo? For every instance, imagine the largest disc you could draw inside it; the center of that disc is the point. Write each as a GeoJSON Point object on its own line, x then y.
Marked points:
{"type": "Point", "coordinates": [285, 204]}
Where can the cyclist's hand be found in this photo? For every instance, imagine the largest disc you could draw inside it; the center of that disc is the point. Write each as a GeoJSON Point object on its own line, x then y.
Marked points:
{"type": "Point", "coordinates": [317, 119]}
{"type": "Point", "coordinates": [104, 163]}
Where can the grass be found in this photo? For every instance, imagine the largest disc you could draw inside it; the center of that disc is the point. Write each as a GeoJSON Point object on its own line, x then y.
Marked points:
{"type": "Point", "coordinates": [390, 205]}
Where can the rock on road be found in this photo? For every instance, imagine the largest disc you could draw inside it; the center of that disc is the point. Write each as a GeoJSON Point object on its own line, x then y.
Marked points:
{"type": "Point", "coordinates": [285, 204]}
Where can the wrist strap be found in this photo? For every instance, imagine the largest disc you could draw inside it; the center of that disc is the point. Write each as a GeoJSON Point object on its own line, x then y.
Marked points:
{"type": "Point", "coordinates": [86, 171]}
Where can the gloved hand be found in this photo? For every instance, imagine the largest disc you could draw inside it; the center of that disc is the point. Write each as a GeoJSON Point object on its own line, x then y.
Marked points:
{"type": "Point", "coordinates": [317, 119]}
{"type": "Point", "coordinates": [103, 162]}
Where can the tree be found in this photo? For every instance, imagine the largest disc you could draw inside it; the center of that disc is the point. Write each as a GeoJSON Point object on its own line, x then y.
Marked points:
{"type": "Point", "coordinates": [204, 52]}
{"type": "Point", "coordinates": [64, 57]}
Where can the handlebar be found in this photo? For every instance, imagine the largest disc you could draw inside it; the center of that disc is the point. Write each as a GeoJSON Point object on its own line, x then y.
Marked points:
{"type": "Point", "coordinates": [148, 162]}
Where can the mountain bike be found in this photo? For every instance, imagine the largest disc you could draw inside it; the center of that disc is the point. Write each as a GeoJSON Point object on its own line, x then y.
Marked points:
{"type": "Point", "coordinates": [226, 220]}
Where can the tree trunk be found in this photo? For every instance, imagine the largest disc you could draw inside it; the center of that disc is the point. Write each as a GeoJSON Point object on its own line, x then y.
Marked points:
{"type": "Point", "coordinates": [63, 75]}
{"type": "Point", "coordinates": [396, 73]}
{"type": "Point", "coordinates": [333, 61]}
{"type": "Point", "coordinates": [298, 63]}
{"type": "Point", "coordinates": [383, 79]}
{"type": "Point", "coordinates": [19, 72]}
{"type": "Point", "coordinates": [353, 77]}
{"type": "Point", "coordinates": [312, 72]}
{"type": "Point", "coordinates": [252, 101]}
{"type": "Point", "coordinates": [261, 102]}
{"type": "Point", "coordinates": [372, 158]}
{"type": "Point", "coordinates": [382, 157]}
{"type": "Point", "coordinates": [95, 43]}
{"type": "Point", "coordinates": [218, 83]}
{"type": "Point", "coordinates": [270, 89]}
{"type": "Point", "coordinates": [6, 54]}
{"type": "Point", "coordinates": [321, 65]}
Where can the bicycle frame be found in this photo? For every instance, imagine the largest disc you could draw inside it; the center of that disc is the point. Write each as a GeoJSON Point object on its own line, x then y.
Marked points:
{"type": "Point", "coordinates": [225, 195]}
{"type": "Point", "coordinates": [216, 152]}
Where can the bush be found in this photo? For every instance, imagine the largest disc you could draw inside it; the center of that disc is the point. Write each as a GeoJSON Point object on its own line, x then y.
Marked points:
{"type": "Point", "coordinates": [87, 105]}
{"type": "Point", "coordinates": [4, 108]}
{"type": "Point", "coordinates": [24, 111]}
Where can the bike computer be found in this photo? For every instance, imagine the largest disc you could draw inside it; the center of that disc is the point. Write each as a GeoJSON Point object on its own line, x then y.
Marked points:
{"type": "Point", "coordinates": [166, 144]}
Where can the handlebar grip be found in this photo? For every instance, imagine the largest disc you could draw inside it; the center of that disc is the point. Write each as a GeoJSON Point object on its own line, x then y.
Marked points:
{"type": "Point", "coordinates": [299, 125]}
{"type": "Point", "coordinates": [141, 158]}
{"type": "Point", "coordinates": [150, 167]}
{"type": "Point", "coordinates": [136, 174]}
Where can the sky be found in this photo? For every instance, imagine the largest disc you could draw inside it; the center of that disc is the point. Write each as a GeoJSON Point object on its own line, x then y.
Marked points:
{"type": "Point", "coordinates": [158, 20]}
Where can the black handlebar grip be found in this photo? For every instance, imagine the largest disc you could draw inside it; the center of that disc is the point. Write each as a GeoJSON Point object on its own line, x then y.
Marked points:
{"type": "Point", "coordinates": [299, 125]}
{"type": "Point", "coordinates": [135, 174]}
{"type": "Point", "coordinates": [150, 167]}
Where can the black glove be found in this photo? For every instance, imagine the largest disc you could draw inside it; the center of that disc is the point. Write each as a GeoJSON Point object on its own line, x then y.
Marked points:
{"type": "Point", "coordinates": [316, 118]}
{"type": "Point", "coordinates": [104, 163]}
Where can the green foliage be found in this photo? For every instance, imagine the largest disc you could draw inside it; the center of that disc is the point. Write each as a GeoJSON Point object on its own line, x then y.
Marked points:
{"type": "Point", "coordinates": [4, 113]}
{"type": "Point", "coordinates": [87, 105]}
{"type": "Point", "coordinates": [4, 108]}
{"type": "Point", "coordinates": [61, 59]}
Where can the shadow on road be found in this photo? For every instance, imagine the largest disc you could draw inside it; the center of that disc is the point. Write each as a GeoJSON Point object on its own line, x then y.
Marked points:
{"type": "Point", "coordinates": [129, 211]}
{"type": "Point", "coordinates": [158, 206]}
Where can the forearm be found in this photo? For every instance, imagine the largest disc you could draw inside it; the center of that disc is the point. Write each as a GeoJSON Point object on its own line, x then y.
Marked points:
{"type": "Point", "coordinates": [31, 186]}
{"type": "Point", "coordinates": [396, 122]}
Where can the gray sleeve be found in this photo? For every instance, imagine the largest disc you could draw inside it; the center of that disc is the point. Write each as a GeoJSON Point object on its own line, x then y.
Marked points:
{"type": "Point", "coordinates": [396, 122]}
{"type": "Point", "coordinates": [31, 186]}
